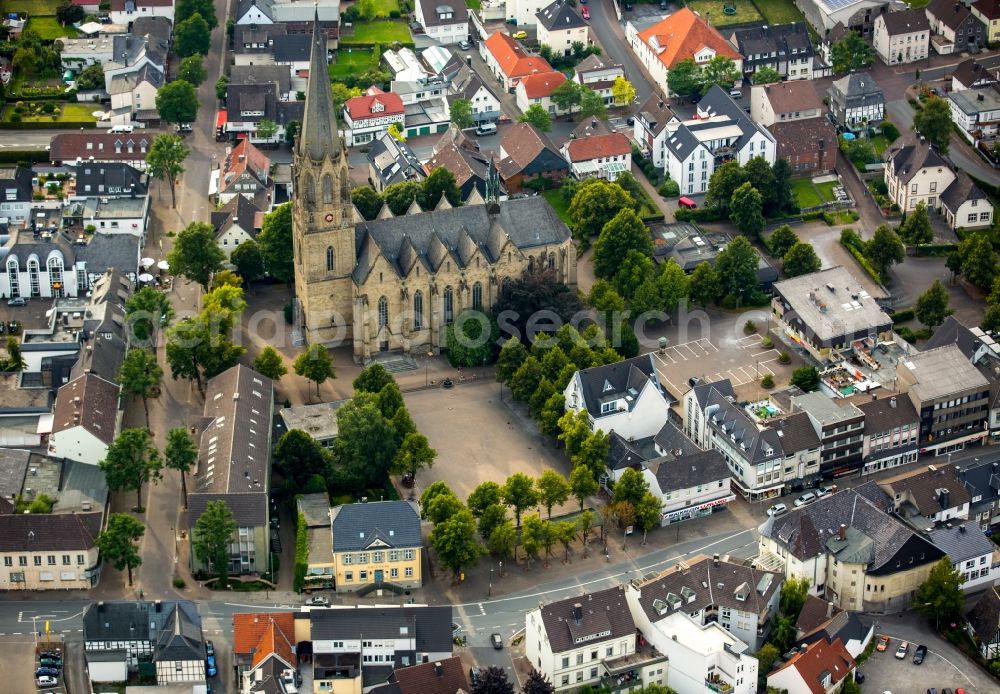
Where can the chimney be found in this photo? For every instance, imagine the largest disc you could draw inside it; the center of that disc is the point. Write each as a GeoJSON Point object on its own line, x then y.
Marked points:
{"type": "Point", "coordinates": [577, 612]}
{"type": "Point", "coordinates": [842, 532]}
{"type": "Point", "coordinates": [980, 97]}
{"type": "Point", "coordinates": [944, 497]}
{"type": "Point", "coordinates": [159, 606]}
{"type": "Point", "coordinates": [961, 528]}
{"type": "Point", "coordinates": [829, 609]}
{"type": "Point", "coordinates": [892, 402]}
{"type": "Point", "coordinates": [660, 103]}
{"type": "Point", "coordinates": [593, 123]}
{"type": "Point", "coordinates": [438, 670]}
{"type": "Point", "coordinates": [715, 559]}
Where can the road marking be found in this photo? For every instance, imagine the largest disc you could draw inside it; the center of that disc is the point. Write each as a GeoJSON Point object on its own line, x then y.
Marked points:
{"type": "Point", "coordinates": [481, 608]}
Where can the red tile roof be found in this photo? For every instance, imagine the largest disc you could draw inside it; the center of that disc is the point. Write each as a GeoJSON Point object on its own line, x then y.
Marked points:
{"type": "Point", "coordinates": [513, 59]}
{"type": "Point", "coordinates": [821, 658]}
{"type": "Point", "coordinates": [596, 146]}
{"type": "Point", "coordinates": [542, 85]}
{"type": "Point", "coordinates": [374, 105]}
{"type": "Point", "coordinates": [262, 634]}
{"type": "Point", "coordinates": [244, 156]}
{"type": "Point", "coordinates": [683, 34]}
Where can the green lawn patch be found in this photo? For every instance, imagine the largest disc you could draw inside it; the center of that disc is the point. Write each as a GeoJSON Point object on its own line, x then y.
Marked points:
{"type": "Point", "coordinates": [779, 11]}
{"type": "Point", "coordinates": [350, 61]}
{"type": "Point", "coordinates": [32, 7]}
{"type": "Point", "coordinates": [49, 28]}
{"type": "Point", "coordinates": [919, 3]}
{"type": "Point", "coordinates": [473, 4]}
{"type": "Point", "coordinates": [825, 190]}
{"type": "Point", "coordinates": [555, 199]}
{"type": "Point", "coordinates": [806, 193]}
{"type": "Point", "coordinates": [384, 7]}
{"type": "Point", "coordinates": [712, 10]}
{"type": "Point", "coordinates": [383, 31]}
{"type": "Point", "coordinates": [880, 143]}
{"type": "Point", "coordinates": [70, 112]}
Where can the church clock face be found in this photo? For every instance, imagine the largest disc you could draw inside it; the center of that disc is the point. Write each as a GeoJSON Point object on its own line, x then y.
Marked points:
{"type": "Point", "coordinates": [329, 218]}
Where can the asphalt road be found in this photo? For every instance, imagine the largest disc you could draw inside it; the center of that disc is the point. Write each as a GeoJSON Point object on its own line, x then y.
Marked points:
{"type": "Point", "coordinates": [611, 35]}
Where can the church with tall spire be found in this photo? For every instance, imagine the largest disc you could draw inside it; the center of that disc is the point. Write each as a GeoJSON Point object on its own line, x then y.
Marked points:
{"type": "Point", "coordinates": [395, 283]}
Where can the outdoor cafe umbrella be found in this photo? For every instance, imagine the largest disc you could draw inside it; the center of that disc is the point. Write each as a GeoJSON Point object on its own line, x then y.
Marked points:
{"type": "Point", "coordinates": [147, 262]}
{"type": "Point", "coordinates": [163, 265]}
{"type": "Point", "coordinates": [145, 277]}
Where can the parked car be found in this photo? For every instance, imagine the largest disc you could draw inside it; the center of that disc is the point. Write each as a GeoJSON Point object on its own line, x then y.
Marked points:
{"type": "Point", "coordinates": [585, 13]}
{"type": "Point", "coordinates": [17, 301]}
{"type": "Point", "coordinates": [464, 45]}
{"type": "Point", "coordinates": [824, 490]}
{"type": "Point", "coordinates": [883, 643]}
{"type": "Point", "coordinates": [903, 648]}
{"type": "Point", "coordinates": [519, 35]}
{"type": "Point", "coordinates": [318, 601]}
{"type": "Point", "coordinates": [919, 655]}
{"type": "Point", "coordinates": [46, 682]}
{"type": "Point", "coordinates": [777, 510]}
{"type": "Point", "coordinates": [48, 672]}
{"type": "Point", "coordinates": [805, 500]}
{"type": "Point", "coordinates": [209, 648]}
{"type": "Point", "coordinates": [496, 640]}
{"type": "Point", "coordinates": [53, 655]}
{"type": "Point", "coordinates": [210, 667]}
{"type": "Point", "coordinates": [49, 662]}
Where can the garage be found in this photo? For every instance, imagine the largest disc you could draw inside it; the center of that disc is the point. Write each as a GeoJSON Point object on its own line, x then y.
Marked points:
{"type": "Point", "coordinates": [107, 667]}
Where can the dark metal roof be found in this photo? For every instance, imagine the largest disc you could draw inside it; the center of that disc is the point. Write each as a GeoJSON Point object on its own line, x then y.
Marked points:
{"type": "Point", "coordinates": [431, 625]}
{"type": "Point", "coordinates": [603, 616]}
{"type": "Point", "coordinates": [614, 381]}
{"type": "Point", "coordinates": [52, 532]}
{"type": "Point", "coordinates": [687, 471]}
{"type": "Point", "coordinates": [375, 524]}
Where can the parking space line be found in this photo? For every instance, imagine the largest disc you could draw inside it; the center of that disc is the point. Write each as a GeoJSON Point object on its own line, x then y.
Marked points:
{"type": "Point", "coordinates": [766, 351]}
{"type": "Point", "coordinates": [664, 357]}
{"type": "Point", "coordinates": [694, 355]}
{"type": "Point", "coordinates": [707, 346]}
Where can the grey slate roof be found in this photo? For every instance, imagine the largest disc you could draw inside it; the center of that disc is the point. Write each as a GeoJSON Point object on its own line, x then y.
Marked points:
{"type": "Point", "coordinates": [623, 453]}
{"type": "Point", "coordinates": [953, 332]}
{"type": "Point", "coordinates": [724, 581]}
{"type": "Point", "coordinates": [394, 161]}
{"type": "Point", "coordinates": [961, 190]}
{"type": "Point", "coordinates": [600, 612]}
{"type": "Point", "coordinates": [797, 433]}
{"type": "Point", "coordinates": [686, 471]}
{"type": "Point", "coordinates": [716, 102]}
{"type": "Point", "coordinates": [110, 252]}
{"type": "Point", "coordinates": [13, 466]}
{"type": "Point", "coordinates": [430, 624]}
{"type": "Point", "coordinates": [983, 480]}
{"type": "Point", "coordinates": [106, 347]}
{"type": "Point", "coordinates": [859, 90]}
{"type": "Point", "coordinates": [154, 27]}
{"type": "Point", "coordinates": [289, 48]}
{"type": "Point", "coordinates": [672, 439]}
{"type": "Point", "coordinates": [49, 532]}
{"type": "Point", "coordinates": [886, 414]}
{"type": "Point", "coordinates": [265, 6]}
{"type": "Point", "coordinates": [377, 523]}
{"type": "Point", "coordinates": [779, 39]}
{"type": "Point", "coordinates": [249, 509]}
{"type": "Point", "coordinates": [614, 381]}
{"type": "Point", "coordinates": [984, 618]}
{"type": "Point", "coordinates": [432, 16]}
{"type": "Point", "coordinates": [16, 178]}
{"type": "Point", "coordinates": [906, 21]}
{"type": "Point", "coordinates": [729, 421]}
{"type": "Point", "coordinates": [110, 179]}
{"type": "Point", "coordinates": [560, 15]}
{"type": "Point", "coordinates": [961, 542]}
{"type": "Point", "coordinates": [136, 620]}
{"type": "Point", "coordinates": [180, 638]}
{"type": "Point", "coordinates": [263, 74]}
{"type": "Point", "coordinates": [320, 134]}
{"type": "Point", "coordinates": [703, 391]}
{"type": "Point", "coordinates": [922, 488]}
{"type": "Point", "coordinates": [909, 159]}
{"type": "Point", "coordinates": [432, 237]}
{"type": "Point", "coordinates": [240, 211]}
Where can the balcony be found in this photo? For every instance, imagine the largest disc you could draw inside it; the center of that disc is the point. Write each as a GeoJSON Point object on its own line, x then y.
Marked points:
{"type": "Point", "coordinates": [625, 672]}
{"type": "Point", "coordinates": [717, 684]}
{"type": "Point", "coordinates": [622, 680]}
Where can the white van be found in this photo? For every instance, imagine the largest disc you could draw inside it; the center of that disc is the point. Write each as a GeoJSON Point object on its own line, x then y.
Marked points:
{"type": "Point", "coordinates": [736, 93]}
{"type": "Point", "coordinates": [119, 129]}
{"type": "Point", "coordinates": [486, 129]}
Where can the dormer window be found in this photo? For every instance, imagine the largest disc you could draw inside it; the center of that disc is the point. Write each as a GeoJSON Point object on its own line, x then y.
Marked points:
{"type": "Point", "coordinates": [609, 407]}
{"type": "Point", "coordinates": [608, 387]}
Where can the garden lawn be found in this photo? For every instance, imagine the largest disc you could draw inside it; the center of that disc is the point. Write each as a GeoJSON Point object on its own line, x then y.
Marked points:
{"type": "Point", "coordinates": [806, 193]}
{"type": "Point", "coordinates": [780, 11]}
{"type": "Point", "coordinates": [49, 28]}
{"type": "Point", "coordinates": [355, 62]}
{"type": "Point", "coordinates": [880, 143]}
{"type": "Point", "coordinates": [825, 190]}
{"type": "Point", "coordinates": [556, 200]}
{"type": "Point", "coordinates": [68, 112]}
{"type": "Point", "coordinates": [32, 7]}
{"type": "Point", "coordinates": [745, 11]}
{"type": "Point", "coordinates": [473, 4]}
{"type": "Point", "coordinates": [384, 31]}
{"type": "Point", "coordinates": [384, 7]}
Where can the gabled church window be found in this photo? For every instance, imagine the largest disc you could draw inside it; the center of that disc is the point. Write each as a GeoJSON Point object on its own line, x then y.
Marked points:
{"type": "Point", "coordinates": [329, 258]}
{"type": "Point", "coordinates": [327, 190]}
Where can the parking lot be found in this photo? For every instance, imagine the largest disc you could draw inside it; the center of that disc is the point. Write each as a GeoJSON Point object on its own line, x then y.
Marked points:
{"type": "Point", "coordinates": [885, 673]}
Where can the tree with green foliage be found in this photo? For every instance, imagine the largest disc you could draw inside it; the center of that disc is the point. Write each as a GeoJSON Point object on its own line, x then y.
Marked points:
{"type": "Point", "coordinates": [487, 494]}
{"type": "Point", "coordinates": [630, 487]}
{"type": "Point", "coordinates": [519, 493]}
{"type": "Point", "coordinates": [440, 182]}
{"type": "Point", "coordinates": [140, 376]}
{"type": "Point", "coordinates": [582, 484]}
{"type": "Point", "coordinates": [553, 490]}
{"type": "Point", "coordinates": [211, 538]}
{"type": "Point", "coordinates": [766, 75]}
{"type": "Point", "coordinates": [181, 454]}
{"type": "Point", "coordinates": [916, 228]}
{"type": "Point", "coordinates": [414, 454]}
{"type": "Point", "coordinates": [532, 534]}
{"type": "Point", "coordinates": [884, 249]}
{"type": "Point", "coordinates": [118, 542]}
{"type": "Point", "coordinates": [366, 443]}
{"type": "Point", "coordinates": [249, 261]}
{"type": "Point", "coordinates": [502, 541]}
{"type": "Point", "coordinates": [434, 490]}
{"type": "Point", "coordinates": [801, 259]}
{"type": "Point", "coordinates": [91, 78]}
{"type": "Point", "coordinates": [736, 265]}
{"type": "Point", "coordinates": [685, 78]}
{"type": "Point", "coordinates": [192, 71]}
{"type": "Point", "coordinates": [978, 259]}
{"type": "Point", "coordinates": [648, 512]}
{"type": "Point", "coordinates": [622, 233]}
{"type": "Point", "coordinates": [595, 203]}
{"type": "Point", "coordinates": [932, 306]}
{"type": "Point", "coordinates": [165, 161]}
{"type": "Point", "coordinates": [537, 116]}
{"type": "Point", "coordinates": [746, 210]}
{"type": "Point", "coordinates": [275, 241]}
{"type": "Point", "coordinates": [794, 592]}
{"type": "Point", "coordinates": [720, 70]}
{"type": "Point", "coordinates": [269, 363]}
{"type": "Point", "coordinates": [941, 596]}
{"type": "Point", "coordinates": [368, 202]}
{"type": "Point", "coordinates": [705, 285]}
{"type": "Point", "coordinates": [933, 121]}
{"type": "Point", "coordinates": [492, 516]}
{"type": "Point", "coordinates": [461, 113]}
{"type": "Point", "coordinates": [592, 104]}
{"type": "Point", "coordinates": [766, 657]}
{"type": "Point", "coordinates": [593, 453]}
{"type": "Point", "coordinates": [783, 197]}
{"type": "Point", "coordinates": [566, 97]}
{"type": "Point", "coordinates": [537, 683]}
{"type": "Point", "coordinates": [131, 461]}
{"type": "Point", "coordinates": [806, 378]}
{"type": "Point", "coordinates": [851, 53]}
{"type": "Point", "coordinates": [783, 634]}
{"type": "Point", "coordinates": [442, 507]}
{"type": "Point", "coordinates": [342, 93]}
{"type": "Point", "coordinates": [492, 680]}
{"type": "Point", "coordinates": [781, 240]}
{"type": "Point", "coordinates": [373, 379]}
{"type": "Point", "coordinates": [206, 8]}
{"type": "Point", "coordinates": [192, 36]}
{"type": "Point", "coordinates": [316, 365]}
{"type": "Point", "coordinates": [760, 174]}
{"type": "Point", "coordinates": [221, 87]}
{"type": "Point", "coordinates": [266, 130]}
{"type": "Point", "coordinates": [68, 13]}
{"type": "Point", "coordinates": [574, 428]}
{"type": "Point", "coordinates": [454, 541]}
{"type": "Point", "coordinates": [723, 182]}
{"type": "Point", "coordinates": [400, 196]}
{"type": "Point", "coordinates": [195, 255]}
{"type": "Point", "coordinates": [146, 311]}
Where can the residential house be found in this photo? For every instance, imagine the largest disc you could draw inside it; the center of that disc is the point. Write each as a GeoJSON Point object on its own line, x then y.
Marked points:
{"type": "Point", "coordinates": [721, 131]}
{"type": "Point", "coordinates": [976, 113]}
{"type": "Point", "coordinates": [258, 74]}
{"type": "Point", "coordinates": [405, 65]}
{"type": "Point", "coordinates": [689, 486]}
{"type": "Point", "coordinates": [126, 12]}
{"type": "Point", "coordinates": [974, 72]}
{"type": "Point", "coordinates": [856, 101]}
{"type": "Point", "coordinates": [392, 161]}
{"type": "Point", "coordinates": [118, 636]}
{"type": "Point", "coordinates": [700, 656]}
{"type": "Point", "coordinates": [234, 465]}
{"type": "Point", "coordinates": [314, 510]}
{"type": "Point", "coordinates": [425, 105]}
{"type": "Point", "coordinates": [85, 419]}
{"type": "Point", "coordinates": [577, 641]}
{"type": "Point", "coordinates": [301, 15]}
{"type": "Point", "coordinates": [840, 430]}
{"type": "Point", "coordinates": [928, 496]}
{"type": "Point", "coordinates": [117, 216]}
{"type": "Point", "coordinates": [133, 95]}
{"type": "Point", "coordinates": [527, 154]}
{"type": "Point", "coordinates": [537, 89]}
{"type": "Point", "coordinates": [23, 412]}
{"type": "Point", "coordinates": [469, 86]}
{"type": "Point", "coordinates": [253, 44]}
{"type": "Point", "coordinates": [983, 623]}
{"type": "Point", "coordinates": [99, 148]}
{"type": "Point", "coordinates": [18, 191]}
{"type": "Point", "coordinates": [801, 446]}
{"type": "Point", "coordinates": [457, 153]}
{"type": "Point", "coordinates": [650, 129]}
{"type": "Point", "coordinates": [891, 433]}
{"type": "Point", "coordinates": [983, 483]}
{"type": "Point", "coordinates": [950, 394]}
{"type": "Point", "coordinates": [785, 48]}
{"type": "Point", "coordinates": [856, 15]}
{"type": "Point", "coordinates": [625, 397]}
{"type": "Point", "coordinates": [854, 553]}
{"type": "Point", "coordinates": [559, 26]}
{"type": "Point", "coordinates": [508, 61]}
{"type": "Point", "coordinates": [49, 551]}
{"type": "Point", "coordinates": [246, 172]}
{"type": "Point", "coordinates": [79, 53]}
{"type": "Point", "coordinates": [902, 37]}
{"type": "Point", "coordinates": [956, 29]}
{"type": "Point", "coordinates": [132, 53]}
{"type": "Point", "coordinates": [826, 311]}
{"type": "Point", "coordinates": [597, 151]}
{"type": "Point", "coordinates": [376, 544]}
{"type": "Point", "coordinates": [446, 676]}
{"type": "Point", "coordinates": [446, 24]}
{"type": "Point", "coordinates": [110, 180]}
{"type": "Point", "coordinates": [248, 105]}
{"type": "Point", "coordinates": [264, 646]}
{"type": "Point", "coordinates": [917, 173]}
{"type": "Point", "coordinates": [784, 102]}
{"type": "Point", "coordinates": [523, 11]}
{"type": "Point", "coordinates": [820, 667]}
{"type": "Point", "coordinates": [598, 73]}
{"type": "Point", "coordinates": [970, 552]}
{"type": "Point", "coordinates": [683, 35]}
{"type": "Point", "coordinates": [809, 146]}
{"type": "Point", "coordinates": [822, 620]}
{"type": "Point", "coordinates": [988, 12]}
{"type": "Point", "coordinates": [254, 12]}
{"type": "Point", "coordinates": [234, 223]}
{"type": "Point", "coordinates": [741, 599]}
{"type": "Point", "coordinates": [369, 116]}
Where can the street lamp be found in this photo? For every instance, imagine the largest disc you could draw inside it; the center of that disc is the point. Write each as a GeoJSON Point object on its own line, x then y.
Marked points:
{"type": "Point", "coordinates": [426, 365]}
{"type": "Point", "coordinates": [490, 593]}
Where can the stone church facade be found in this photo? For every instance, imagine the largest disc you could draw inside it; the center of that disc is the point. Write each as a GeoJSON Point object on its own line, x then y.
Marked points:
{"type": "Point", "coordinates": [396, 283]}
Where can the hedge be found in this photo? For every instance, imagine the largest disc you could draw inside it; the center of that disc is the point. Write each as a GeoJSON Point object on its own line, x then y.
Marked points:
{"type": "Point", "coordinates": [23, 156]}
{"type": "Point", "coordinates": [48, 125]}
{"type": "Point", "coordinates": [863, 261]}
{"type": "Point", "coordinates": [69, 95]}
{"type": "Point", "coordinates": [347, 43]}
{"type": "Point", "coordinates": [935, 250]}
{"type": "Point", "coordinates": [699, 214]}
{"type": "Point", "coordinates": [301, 553]}
{"type": "Point", "coordinates": [902, 316]}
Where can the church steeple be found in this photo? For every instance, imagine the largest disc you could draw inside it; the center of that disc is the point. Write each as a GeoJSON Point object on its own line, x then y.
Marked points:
{"type": "Point", "coordinates": [320, 135]}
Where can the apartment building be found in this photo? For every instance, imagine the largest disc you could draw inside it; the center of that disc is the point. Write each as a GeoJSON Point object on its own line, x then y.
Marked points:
{"type": "Point", "coordinates": [840, 428]}
{"type": "Point", "coordinates": [891, 433]}
{"type": "Point", "coordinates": [902, 37]}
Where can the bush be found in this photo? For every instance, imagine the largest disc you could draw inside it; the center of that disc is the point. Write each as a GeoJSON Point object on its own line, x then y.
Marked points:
{"type": "Point", "coordinates": [669, 189]}
{"type": "Point", "coordinates": [301, 553]}
{"type": "Point", "coordinates": [749, 328]}
{"type": "Point", "coordinates": [539, 184]}
{"type": "Point", "coordinates": [890, 131]}
{"type": "Point", "coordinates": [923, 334]}
{"type": "Point", "coordinates": [767, 381]}
{"type": "Point", "coordinates": [700, 214]}
{"type": "Point", "coordinates": [179, 583]}
{"type": "Point", "coordinates": [829, 218]}
{"type": "Point", "coordinates": [783, 358]}
{"type": "Point", "coordinates": [15, 117]}
{"type": "Point", "coordinates": [767, 342]}
{"type": "Point", "coordinates": [393, 14]}
{"type": "Point", "coordinates": [902, 316]}
{"type": "Point", "coordinates": [906, 334]}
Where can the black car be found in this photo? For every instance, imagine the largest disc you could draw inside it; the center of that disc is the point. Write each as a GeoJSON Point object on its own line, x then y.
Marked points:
{"type": "Point", "coordinates": [919, 655]}
{"type": "Point", "coordinates": [55, 655]}
{"type": "Point", "coordinates": [50, 671]}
